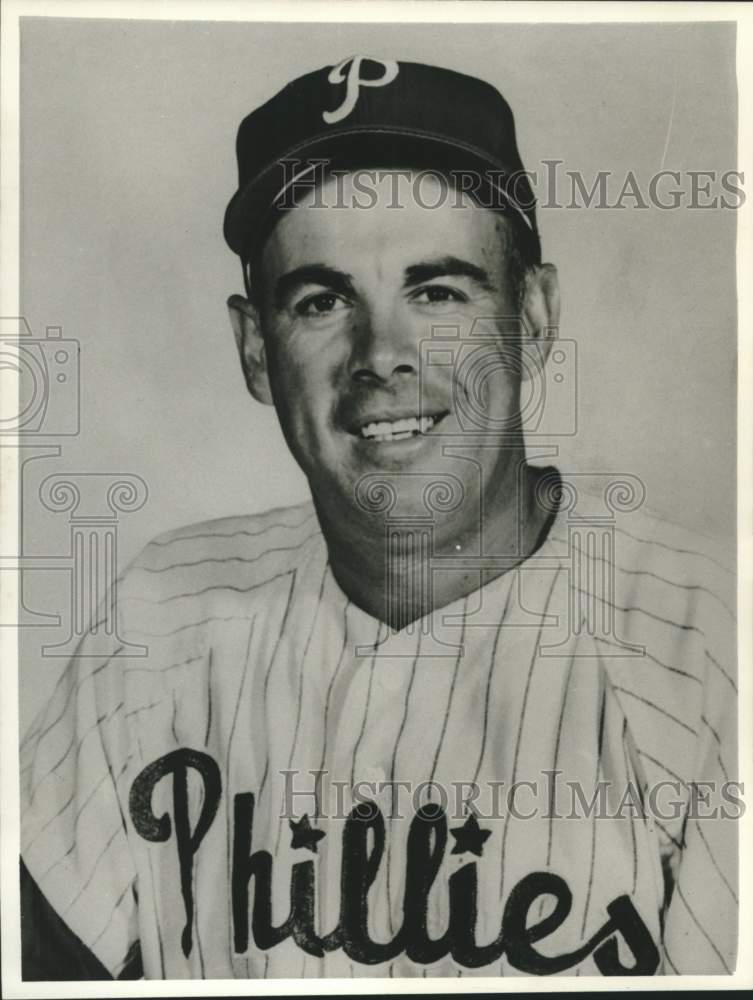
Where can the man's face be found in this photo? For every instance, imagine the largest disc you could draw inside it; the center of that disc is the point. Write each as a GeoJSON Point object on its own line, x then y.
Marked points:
{"type": "Point", "coordinates": [350, 298]}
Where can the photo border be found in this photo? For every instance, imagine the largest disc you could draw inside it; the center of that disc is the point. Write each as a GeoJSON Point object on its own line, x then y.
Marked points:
{"type": "Point", "coordinates": [367, 11]}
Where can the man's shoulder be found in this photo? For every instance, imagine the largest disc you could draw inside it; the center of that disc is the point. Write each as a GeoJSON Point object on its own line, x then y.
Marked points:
{"type": "Point", "coordinates": [227, 555]}
{"type": "Point", "coordinates": [674, 593]}
{"type": "Point", "coordinates": [648, 545]}
{"type": "Point", "coordinates": [259, 531]}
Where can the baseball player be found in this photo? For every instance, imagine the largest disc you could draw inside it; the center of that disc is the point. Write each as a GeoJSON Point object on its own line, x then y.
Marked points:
{"type": "Point", "coordinates": [460, 714]}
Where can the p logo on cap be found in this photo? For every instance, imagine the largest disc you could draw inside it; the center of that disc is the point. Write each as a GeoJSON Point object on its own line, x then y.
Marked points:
{"type": "Point", "coordinates": [349, 72]}
{"type": "Point", "coordinates": [413, 115]}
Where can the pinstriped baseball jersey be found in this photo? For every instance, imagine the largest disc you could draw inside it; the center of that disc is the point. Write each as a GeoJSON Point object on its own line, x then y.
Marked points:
{"type": "Point", "coordinates": [283, 786]}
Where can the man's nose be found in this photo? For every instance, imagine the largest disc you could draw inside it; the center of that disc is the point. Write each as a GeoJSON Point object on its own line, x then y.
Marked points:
{"type": "Point", "coordinates": [384, 347]}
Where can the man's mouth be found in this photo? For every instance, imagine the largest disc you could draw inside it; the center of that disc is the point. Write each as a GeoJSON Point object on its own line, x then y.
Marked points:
{"type": "Point", "coordinates": [400, 429]}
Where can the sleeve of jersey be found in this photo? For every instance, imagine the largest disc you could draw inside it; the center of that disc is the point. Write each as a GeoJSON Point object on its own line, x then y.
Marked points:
{"type": "Point", "coordinates": [73, 833]}
{"type": "Point", "coordinates": [701, 926]}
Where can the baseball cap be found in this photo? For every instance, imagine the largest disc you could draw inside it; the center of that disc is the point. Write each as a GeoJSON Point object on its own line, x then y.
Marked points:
{"type": "Point", "coordinates": [368, 112]}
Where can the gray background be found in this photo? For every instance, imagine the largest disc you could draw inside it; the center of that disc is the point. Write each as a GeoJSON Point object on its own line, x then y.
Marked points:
{"type": "Point", "coordinates": [127, 140]}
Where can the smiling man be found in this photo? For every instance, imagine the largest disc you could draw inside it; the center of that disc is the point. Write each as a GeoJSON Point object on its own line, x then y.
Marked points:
{"type": "Point", "coordinates": [457, 715]}
{"type": "Point", "coordinates": [343, 305]}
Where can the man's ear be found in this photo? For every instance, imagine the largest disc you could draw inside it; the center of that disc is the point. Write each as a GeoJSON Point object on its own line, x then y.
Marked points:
{"type": "Point", "coordinates": [541, 309]}
{"type": "Point", "coordinates": [244, 319]}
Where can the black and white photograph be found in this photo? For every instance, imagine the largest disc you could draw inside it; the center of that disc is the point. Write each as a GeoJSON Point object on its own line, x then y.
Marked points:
{"type": "Point", "coordinates": [376, 484]}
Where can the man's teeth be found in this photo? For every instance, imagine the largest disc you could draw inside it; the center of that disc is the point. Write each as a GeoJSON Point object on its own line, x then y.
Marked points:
{"type": "Point", "coordinates": [397, 430]}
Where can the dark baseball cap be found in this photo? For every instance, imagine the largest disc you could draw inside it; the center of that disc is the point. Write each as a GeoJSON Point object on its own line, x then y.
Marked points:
{"type": "Point", "coordinates": [367, 112]}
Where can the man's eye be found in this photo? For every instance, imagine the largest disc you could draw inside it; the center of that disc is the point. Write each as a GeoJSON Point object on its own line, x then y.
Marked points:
{"type": "Point", "coordinates": [436, 294]}
{"type": "Point", "coordinates": [320, 305]}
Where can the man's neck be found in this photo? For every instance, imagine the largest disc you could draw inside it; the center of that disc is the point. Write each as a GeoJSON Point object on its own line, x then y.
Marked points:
{"type": "Point", "coordinates": [419, 570]}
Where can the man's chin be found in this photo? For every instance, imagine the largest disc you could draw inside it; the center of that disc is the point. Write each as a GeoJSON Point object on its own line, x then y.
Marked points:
{"type": "Point", "coordinates": [396, 487]}
{"type": "Point", "coordinates": [390, 479]}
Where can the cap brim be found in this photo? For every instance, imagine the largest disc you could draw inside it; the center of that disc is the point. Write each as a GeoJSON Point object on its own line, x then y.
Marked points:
{"type": "Point", "coordinates": [249, 211]}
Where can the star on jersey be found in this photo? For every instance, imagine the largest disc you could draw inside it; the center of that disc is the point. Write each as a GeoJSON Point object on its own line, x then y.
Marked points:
{"type": "Point", "coordinates": [470, 837]}
{"type": "Point", "coordinates": [304, 835]}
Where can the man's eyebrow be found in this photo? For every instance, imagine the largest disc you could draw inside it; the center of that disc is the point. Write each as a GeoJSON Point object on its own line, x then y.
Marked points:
{"type": "Point", "coordinates": [312, 274]}
{"type": "Point", "coordinates": [448, 266]}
